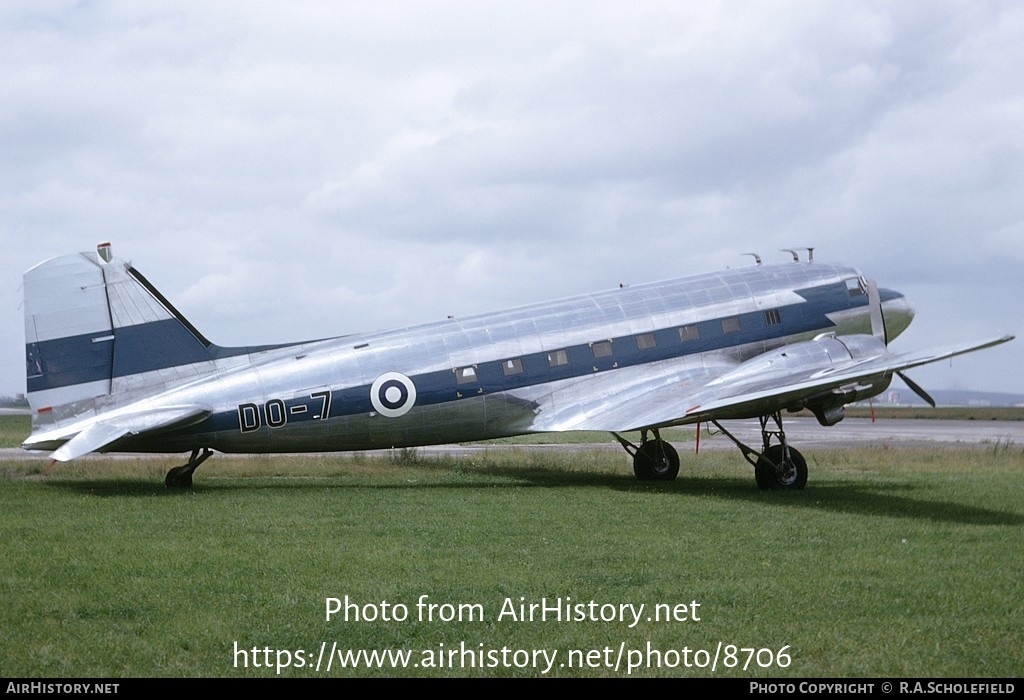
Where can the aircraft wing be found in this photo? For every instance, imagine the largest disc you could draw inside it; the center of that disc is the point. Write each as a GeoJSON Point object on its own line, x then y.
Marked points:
{"type": "Point", "coordinates": [821, 370]}
{"type": "Point", "coordinates": [759, 395]}
{"type": "Point", "coordinates": [94, 435]}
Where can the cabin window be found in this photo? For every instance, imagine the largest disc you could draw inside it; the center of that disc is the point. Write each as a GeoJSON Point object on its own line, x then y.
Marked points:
{"type": "Point", "coordinates": [731, 324]}
{"type": "Point", "coordinates": [772, 318]}
{"type": "Point", "coordinates": [465, 375]}
{"type": "Point", "coordinates": [557, 358]}
{"type": "Point", "coordinates": [645, 341]}
{"type": "Point", "coordinates": [512, 367]}
{"type": "Point", "coordinates": [689, 333]}
{"type": "Point", "coordinates": [602, 349]}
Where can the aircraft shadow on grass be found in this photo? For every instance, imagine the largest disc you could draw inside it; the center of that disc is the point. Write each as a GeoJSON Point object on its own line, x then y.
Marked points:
{"type": "Point", "coordinates": [894, 500]}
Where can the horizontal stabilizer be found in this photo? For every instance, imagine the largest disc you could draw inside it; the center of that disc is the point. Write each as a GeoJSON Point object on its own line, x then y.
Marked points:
{"type": "Point", "coordinates": [107, 430]}
{"type": "Point", "coordinates": [89, 440]}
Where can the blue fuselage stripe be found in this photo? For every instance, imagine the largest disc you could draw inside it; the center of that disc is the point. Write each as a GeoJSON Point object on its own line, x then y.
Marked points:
{"type": "Point", "coordinates": [441, 386]}
{"type": "Point", "coordinates": [164, 344]}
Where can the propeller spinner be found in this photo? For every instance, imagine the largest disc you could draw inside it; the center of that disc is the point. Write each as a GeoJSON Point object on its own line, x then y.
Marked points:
{"type": "Point", "coordinates": [878, 330]}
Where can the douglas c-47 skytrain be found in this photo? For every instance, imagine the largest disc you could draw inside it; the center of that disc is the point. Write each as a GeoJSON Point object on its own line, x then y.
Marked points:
{"type": "Point", "coordinates": [112, 366]}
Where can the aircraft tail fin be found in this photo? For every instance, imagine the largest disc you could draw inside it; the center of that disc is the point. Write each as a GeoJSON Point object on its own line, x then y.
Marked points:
{"type": "Point", "coordinates": [97, 330]}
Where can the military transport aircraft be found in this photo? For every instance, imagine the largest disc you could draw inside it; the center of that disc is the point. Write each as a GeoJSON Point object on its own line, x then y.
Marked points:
{"type": "Point", "coordinates": [113, 366]}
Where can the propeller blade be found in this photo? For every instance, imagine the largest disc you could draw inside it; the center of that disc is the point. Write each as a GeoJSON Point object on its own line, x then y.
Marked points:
{"type": "Point", "coordinates": [875, 308]}
{"type": "Point", "coordinates": [917, 389]}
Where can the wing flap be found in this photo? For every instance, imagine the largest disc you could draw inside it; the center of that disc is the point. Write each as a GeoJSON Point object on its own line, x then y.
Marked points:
{"type": "Point", "coordinates": [619, 408]}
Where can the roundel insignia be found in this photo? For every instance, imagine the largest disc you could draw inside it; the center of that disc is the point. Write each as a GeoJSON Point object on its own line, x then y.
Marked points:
{"type": "Point", "coordinates": [392, 394]}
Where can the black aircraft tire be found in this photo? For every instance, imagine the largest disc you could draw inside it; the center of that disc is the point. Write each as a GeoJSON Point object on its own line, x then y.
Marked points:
{"type": "Point", "coordinates": [170, 481]}
{"type": "Point", "coordinates": [767, 476]}
{"type": "Point", "coordinates": [764, 474]}
{"type": "Point", "coordinates": [656, 460]}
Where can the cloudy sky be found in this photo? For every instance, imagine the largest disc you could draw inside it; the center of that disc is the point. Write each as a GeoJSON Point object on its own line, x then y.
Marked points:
{"type": "Point", "coordinates": [284, 171]}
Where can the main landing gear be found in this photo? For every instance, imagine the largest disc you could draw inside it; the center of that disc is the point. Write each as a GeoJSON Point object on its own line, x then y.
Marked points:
{"type": "Point", "coordinates": [653, 460]}
{"type": "Point", "coordinates": [181, 477]}
{"type": "Point", "coordinates": [776, 466]}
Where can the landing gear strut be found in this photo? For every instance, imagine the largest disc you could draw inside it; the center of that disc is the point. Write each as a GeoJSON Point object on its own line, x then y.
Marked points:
{"type": "Point", "coordinates": [181, 477]}
{"type": "Point", "coordinates": [653, 460]}
{"type": "Point", "coordinates": [776, 466]}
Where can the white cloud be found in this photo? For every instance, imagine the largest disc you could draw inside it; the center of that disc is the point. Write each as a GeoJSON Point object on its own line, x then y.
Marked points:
{"type": "Point", "coordinates": [335, 167]}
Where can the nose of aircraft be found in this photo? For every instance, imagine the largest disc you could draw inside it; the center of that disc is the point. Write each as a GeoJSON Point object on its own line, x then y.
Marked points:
{"type": "Point", "coordinates": [897, 312]}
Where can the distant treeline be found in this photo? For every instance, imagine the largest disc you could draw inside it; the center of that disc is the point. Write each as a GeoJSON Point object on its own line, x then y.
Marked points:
{"type": "Point", "coordinates": [13, 402]}
{"type": "Point", "coordinates": [938, 413]}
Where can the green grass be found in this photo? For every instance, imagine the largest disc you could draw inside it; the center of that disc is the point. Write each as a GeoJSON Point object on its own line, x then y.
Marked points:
{"type": "Point", "coordinates": [14, 430]}
{"type": "Point", "coordinates": [890, 563]}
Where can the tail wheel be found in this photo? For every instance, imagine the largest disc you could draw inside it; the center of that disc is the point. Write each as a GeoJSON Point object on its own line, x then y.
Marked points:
{"type": "Point", "coordinates": [181, 477]}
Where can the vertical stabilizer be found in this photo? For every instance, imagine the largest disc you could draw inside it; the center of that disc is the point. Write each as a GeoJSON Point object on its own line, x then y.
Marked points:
{"type": "Point", "coordinates": [96, 331]}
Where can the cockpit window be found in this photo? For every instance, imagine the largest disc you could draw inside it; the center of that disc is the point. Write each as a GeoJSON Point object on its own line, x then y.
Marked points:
{"type": "Point", "coordinates": [856, 286]}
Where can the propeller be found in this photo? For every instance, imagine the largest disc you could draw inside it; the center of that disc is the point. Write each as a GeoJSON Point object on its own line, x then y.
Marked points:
{"type": "Point", "coordinates": [917, 389]}
{"type": "Point", "coordinates": [878, 330]}
{"type": "Point", "coordinates": [875, 309]}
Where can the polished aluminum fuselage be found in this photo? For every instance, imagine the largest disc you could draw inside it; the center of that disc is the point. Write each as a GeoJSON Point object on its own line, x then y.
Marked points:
{"type": "Point", "coordinates": [505, 373]}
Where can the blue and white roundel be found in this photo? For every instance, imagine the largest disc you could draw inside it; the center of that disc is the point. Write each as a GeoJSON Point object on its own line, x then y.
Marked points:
{"type": "Point", "coordinates": [392, 394]}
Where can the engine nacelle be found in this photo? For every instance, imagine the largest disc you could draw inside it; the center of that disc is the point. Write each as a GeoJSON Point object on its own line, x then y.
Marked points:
{"type": "Point", "coordinates": [819, 355]}
{"type": "Point", "coordinates": [830, 408]}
